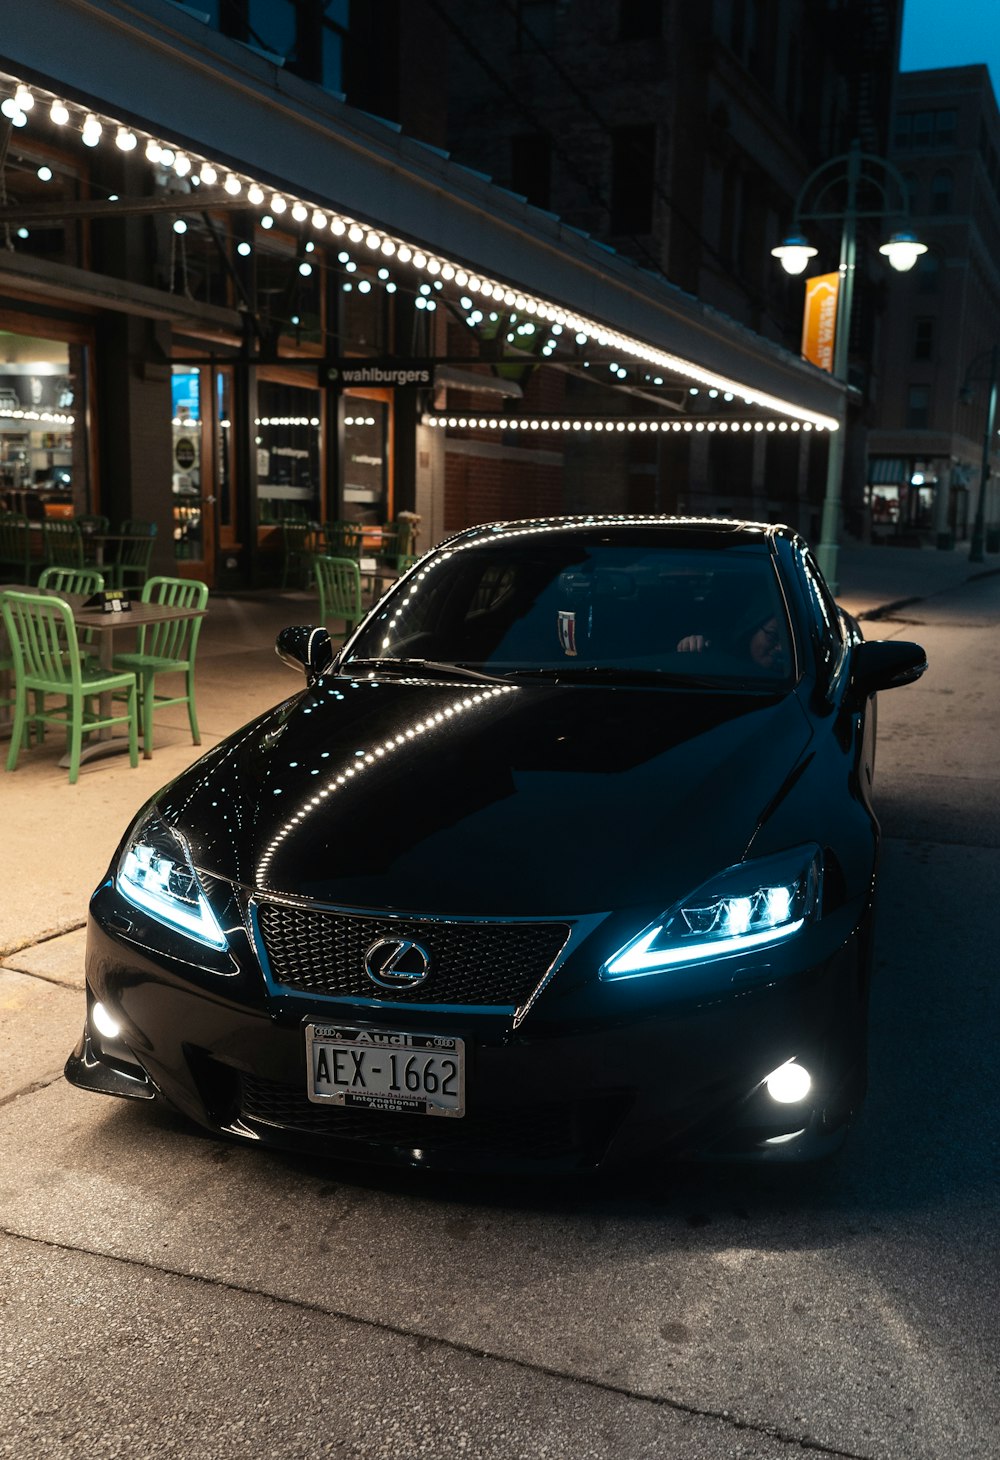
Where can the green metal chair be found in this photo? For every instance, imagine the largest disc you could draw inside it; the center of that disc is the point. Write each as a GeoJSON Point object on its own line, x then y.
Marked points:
{"type": "Point", "coordinates": [71, 580]}
{"type": "Point", "coordinates": [342, 539]}
{"type": "Point", "coordinates": [338, 582]}
{"type": "Point", "coordinates": [131, 565]}
{"type": "Point", "coordinates": [47, 661]}
{"type": "Point", "coordinates": [167, 648]}
{"type": "Point", "coordinates": [15, 546]}
{"type": "Point", "coordinates": [397, 542]}
{"type": "Point", "coordinates": [8, 688]}
{"type": "Point", "coordinates": [63, 542]}
{"type": "Point", "coordinates": [91, 525]}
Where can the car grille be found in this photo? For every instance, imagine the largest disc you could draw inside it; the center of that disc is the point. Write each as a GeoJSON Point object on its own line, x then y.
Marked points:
{"type": "Point", "coordinates": [477, 963]}
{"type": "Point", "coordinates": [580, 1130]}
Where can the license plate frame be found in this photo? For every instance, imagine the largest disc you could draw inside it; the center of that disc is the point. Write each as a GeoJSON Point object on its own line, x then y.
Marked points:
{"type": "Point", "coordinates": [341, 1070]}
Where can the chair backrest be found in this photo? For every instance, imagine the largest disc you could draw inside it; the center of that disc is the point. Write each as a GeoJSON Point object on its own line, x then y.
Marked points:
{"type": "Point", "coordinates": [339, 583]}
{"type": "Point", "coordinates": [294, 532]}
{"type": "Point", "coordinates": [42, 637]}
{"type": "Point", "coordinates": [15, 539]}
{"type": "Point", "coordinates": [136, 546]}
{"type": "Point", "coordinates": [63, 542]}
{"type": "Point", "coordinates": [343, 539]}
{"type": "Point", "coordinates": [177, 639]}
{"type": "Point", "coordinates": [71, 580]}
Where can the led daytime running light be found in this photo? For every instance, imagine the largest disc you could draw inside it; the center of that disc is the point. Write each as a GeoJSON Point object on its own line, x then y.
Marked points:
{"type": "Point", "coordinates": [158, 877]}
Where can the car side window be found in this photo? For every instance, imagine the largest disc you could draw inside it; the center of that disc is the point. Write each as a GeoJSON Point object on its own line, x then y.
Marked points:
{"type": "Point", "coordinates": [824, 613]}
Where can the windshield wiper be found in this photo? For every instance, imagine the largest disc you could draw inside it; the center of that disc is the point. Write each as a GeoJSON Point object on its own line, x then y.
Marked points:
{"type": "Point", "coordinates": [422, 666]}
{"type": "Point", "coordinates": [612, 674]}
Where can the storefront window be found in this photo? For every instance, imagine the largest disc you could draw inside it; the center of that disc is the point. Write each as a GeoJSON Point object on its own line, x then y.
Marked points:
{"type": "Point", "coordinates": [223, 448]}
{"type": "Point", "coordinates": [188, 525]}
{"type": "Point", "coordinates": [288, 452]}
{"type": "Point", "coordinates": [42, 455]}
{"type": "Point", "coordinates": [365, 425]}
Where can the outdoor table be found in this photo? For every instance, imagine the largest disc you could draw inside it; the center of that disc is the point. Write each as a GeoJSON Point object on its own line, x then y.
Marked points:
{"type": "Point", "coordinates": [96, 543]}
{"type": "Point", "coordinates": [107, 625]}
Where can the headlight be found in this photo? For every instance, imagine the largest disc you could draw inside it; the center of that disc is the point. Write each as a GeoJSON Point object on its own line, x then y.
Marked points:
{"type": "Point", "coordinates": [748, 906]}
{"type": "Point", "coordinates": [155, 872]}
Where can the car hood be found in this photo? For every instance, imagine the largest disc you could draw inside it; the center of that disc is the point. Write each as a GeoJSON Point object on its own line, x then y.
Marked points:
{"type": "Point", "coordinates": [483, 799]}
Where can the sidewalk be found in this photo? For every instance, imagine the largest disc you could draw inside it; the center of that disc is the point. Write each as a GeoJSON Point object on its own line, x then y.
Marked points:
{"type": "Point", "coordinates": [56, 840]}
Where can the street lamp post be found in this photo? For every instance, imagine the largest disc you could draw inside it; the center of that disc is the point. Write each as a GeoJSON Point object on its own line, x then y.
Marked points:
{"type": "Point", "coordinates": [834, 194]}
{"type": "Point", "coordinates": [976, 545]}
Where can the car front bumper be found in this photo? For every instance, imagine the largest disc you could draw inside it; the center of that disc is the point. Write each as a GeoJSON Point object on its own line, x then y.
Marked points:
{"type": "Point", "coordinates": [596, 1076]}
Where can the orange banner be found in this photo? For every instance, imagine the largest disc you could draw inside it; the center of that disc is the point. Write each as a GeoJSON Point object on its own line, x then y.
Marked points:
{"type": "Point", "coordinates": [819, 320]}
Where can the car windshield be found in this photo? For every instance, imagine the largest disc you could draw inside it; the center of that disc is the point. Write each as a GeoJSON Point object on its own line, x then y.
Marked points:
{"type": "Point", "coordinates": [588, 606]}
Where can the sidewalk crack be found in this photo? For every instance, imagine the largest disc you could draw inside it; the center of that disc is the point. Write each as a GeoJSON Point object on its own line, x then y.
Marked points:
{"type": "Point", "coordinates": [467, 1350]}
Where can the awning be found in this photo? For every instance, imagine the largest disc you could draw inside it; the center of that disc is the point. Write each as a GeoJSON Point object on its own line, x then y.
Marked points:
{"type": "Point", "coordinates": [167, 75]}
{"type": "Point", "coordinates": [884, 471]}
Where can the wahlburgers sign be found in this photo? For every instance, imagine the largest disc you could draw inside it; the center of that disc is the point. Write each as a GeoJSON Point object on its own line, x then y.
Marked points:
{"type": "Point", "coordinates": [390, 374]}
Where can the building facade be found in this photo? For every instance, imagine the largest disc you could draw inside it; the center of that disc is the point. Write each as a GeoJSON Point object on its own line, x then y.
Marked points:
{"type": "Point", "coordinates": [681, 136]}
{"type": "Point", "coordinates": [939, 364]}
{"type": "Point", "coordinates": [228, 298]}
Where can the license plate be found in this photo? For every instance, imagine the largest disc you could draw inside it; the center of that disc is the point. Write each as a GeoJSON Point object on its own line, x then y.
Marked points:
{"type": "Point", "coordinates": [385, 1069]}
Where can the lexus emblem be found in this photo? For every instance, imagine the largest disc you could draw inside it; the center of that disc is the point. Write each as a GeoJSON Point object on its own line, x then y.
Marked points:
{"type": "Point", "coordinates": [397, 963]}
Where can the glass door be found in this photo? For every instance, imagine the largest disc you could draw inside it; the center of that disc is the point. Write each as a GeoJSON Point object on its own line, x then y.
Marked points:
{"type": "Point", "coordinates": [193, 473]}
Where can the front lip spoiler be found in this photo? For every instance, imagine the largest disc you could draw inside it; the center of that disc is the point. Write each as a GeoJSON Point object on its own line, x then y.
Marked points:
{"type": "Point", "coordinates": [87, 1071]}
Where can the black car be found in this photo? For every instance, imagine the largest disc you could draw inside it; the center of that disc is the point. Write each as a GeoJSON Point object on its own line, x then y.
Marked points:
{"type": "Point", "coordinates": [567, 857]}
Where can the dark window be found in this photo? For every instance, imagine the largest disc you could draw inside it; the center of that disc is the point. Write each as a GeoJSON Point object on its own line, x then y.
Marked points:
{"type": "Point", "coordinates": [923, 338]}
{"type": "Point", "coordinates": [904, 131]}
{"type": "Point", "coordinates": [307, 33]}
{"type": "Point", "coordinates": [535, 24]}
{"type": "Point", "coordinates": [918, 407]}
{"type": "Point", "coordinates": [640, 20]}
{"type": "Point", "coordinates": [945, 123]}
{"type": "Point", "coordinates": [923, 129]}
{"type": "Point", "coordinates": [912, 184]}
{"type": "Point", "coordinates": [942, 184]}
{"type": "Point", "coordinates": [531, 168]}
{"type": "Point", "coordinates": [632, 170]}
{"type": "Point", "coordinates": [929, 273]}
{"type": "Point", "coordinates": [738, 24]}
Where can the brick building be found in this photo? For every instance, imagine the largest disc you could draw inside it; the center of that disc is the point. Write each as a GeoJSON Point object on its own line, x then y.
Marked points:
{"type": "Point", "coordinates": [943, 322]}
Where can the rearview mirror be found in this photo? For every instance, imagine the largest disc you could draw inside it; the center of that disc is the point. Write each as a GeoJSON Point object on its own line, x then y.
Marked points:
{"type": "Point", "coordinates": [305, 646]}
{"type": "Point", "coordinates": [884, 664]}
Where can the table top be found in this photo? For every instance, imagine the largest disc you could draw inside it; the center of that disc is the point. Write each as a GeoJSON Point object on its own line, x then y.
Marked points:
{"type": "Point", "coordinates": [97, 618]}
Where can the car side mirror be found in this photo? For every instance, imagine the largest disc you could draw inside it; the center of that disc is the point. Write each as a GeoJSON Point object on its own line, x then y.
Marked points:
{"type": "Point", "coordinates": [884, 664]}
{"type": "Point", "coordinates": [305, 646]}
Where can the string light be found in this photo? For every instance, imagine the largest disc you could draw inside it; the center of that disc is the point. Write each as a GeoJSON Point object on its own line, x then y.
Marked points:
{"type": "Point", "coordinates": [609, 425]}
{"type": "Point", "coordinates": [582, 330]}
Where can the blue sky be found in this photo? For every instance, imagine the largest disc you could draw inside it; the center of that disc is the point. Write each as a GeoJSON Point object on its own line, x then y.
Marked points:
{"type": "Point", "coordinates": [955, 33]}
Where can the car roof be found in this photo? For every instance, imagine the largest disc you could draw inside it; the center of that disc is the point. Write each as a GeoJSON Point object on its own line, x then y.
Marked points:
{"type": "Point", "coordinates": [676, 531]}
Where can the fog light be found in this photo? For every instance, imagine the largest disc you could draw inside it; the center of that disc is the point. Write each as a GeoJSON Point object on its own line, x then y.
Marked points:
{"type": "Point", "coordinates": [104, 1023]}
{"type": "Point", "coordinates": [789, 1083]}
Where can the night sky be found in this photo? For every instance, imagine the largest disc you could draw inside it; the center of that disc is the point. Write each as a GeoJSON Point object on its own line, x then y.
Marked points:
{"type": "Point", "coordinates": [959, 33]}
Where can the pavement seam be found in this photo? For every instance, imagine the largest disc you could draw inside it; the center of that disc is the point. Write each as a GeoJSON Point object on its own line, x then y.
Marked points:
{"type": "Point", "coordinates": [35, 940]}
{"type": "Point", "coordinates": [42, 1083]}
{"type": "Point", "coordinates": [468, 1350]}
{"type": "Point", "coordinates": [885, 610]}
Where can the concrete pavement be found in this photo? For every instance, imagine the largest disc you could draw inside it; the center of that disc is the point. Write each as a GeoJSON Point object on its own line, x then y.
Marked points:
{"type": "Point", "coordinates": [56, 839]}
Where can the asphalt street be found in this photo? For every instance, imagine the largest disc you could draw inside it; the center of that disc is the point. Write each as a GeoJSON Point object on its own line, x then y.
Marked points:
{"type": "Point", "coordinates": [164, 1293]}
